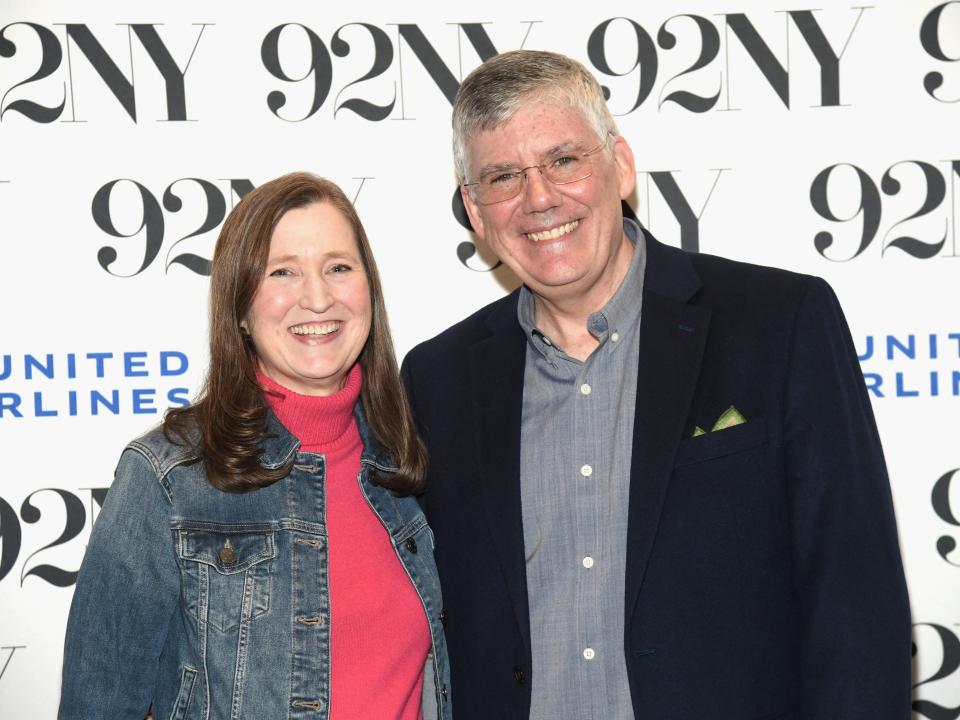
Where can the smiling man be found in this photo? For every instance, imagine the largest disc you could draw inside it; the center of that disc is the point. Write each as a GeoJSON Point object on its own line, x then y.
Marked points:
{"type": "Point", "coordinates": [655, 479]}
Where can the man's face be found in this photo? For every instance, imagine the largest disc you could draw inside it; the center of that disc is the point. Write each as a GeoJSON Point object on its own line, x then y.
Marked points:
{"type": "Point", "coordinates": [562, 241]}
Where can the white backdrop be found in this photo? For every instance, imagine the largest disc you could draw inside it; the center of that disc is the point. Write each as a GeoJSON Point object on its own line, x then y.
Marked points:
{"type": "Point", "coordinates": [824, 141]}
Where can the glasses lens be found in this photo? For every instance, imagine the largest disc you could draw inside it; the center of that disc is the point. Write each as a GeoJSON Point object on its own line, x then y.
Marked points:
{"type": "Point", "coordinates": [499, 186]}
{"type": "Point", "coordinates": [567, 169]}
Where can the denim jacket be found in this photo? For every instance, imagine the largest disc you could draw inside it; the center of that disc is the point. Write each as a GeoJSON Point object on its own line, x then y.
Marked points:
{"type": "Point", "coordinates": [213, 605]}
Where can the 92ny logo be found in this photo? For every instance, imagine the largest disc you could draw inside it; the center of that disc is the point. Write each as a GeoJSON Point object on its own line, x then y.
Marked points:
{"type": "Point", "coordinates": [941, 501]}
{"type": "Point", "coordinates": [934, 29]}
{"type": "Point", "coordinates": [31, 512]}
{"type": "Point", "coordinates": [56, 61]}
{"type": "Point", "coordinates": [129, 211]}
{"type": "Point", "coordinates": [929, 636]}
{"type": "Point", "coordinates": [934, 212]}
{"type": "Point", "coordinates": [149, 224]}
{"type": "Point", "coordinates": [729, 50]}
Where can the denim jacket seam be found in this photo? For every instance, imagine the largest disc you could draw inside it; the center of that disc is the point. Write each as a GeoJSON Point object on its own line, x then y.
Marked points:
{"type": "Point", "coordinates": [409, 530]}
{"type": "Point", "coordinates": [160, 470]}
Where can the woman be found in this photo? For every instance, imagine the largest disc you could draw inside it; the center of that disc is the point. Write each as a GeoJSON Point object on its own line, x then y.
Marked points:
{"type": "Point", "coordinates": [259, 555]}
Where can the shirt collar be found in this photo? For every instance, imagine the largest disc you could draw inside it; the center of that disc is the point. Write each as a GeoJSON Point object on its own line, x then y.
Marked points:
{"type": "Point", "coordinates": [621, 311]}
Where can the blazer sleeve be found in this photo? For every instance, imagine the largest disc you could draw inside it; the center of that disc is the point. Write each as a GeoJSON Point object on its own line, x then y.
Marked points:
{"type": "Point", "coordinates": [125, 595]}
{"type": "Point", "coordinates": [856, 643]}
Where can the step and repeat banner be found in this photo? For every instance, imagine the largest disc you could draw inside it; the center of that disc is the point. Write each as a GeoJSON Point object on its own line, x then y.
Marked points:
{"type": "Point", "coordinates": [825, 141]}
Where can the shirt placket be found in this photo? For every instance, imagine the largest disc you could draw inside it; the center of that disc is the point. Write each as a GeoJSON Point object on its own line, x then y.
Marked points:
{"type": "Point", "coordinates": [588, 476]}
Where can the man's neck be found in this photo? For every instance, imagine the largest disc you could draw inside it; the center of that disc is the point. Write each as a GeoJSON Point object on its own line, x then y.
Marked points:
{"type": "Point", "coordinates": [563, 316]}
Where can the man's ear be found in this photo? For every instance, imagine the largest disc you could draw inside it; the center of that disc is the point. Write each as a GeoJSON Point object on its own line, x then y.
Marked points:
{"type": "Point", "coordinates": [626, 170]}
{"type": "Point", "coordinates": [473, 210]}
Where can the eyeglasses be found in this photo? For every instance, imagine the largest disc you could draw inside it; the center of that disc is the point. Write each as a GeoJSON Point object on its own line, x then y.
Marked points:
{"type": "Point", "coordinates": [562, 169]}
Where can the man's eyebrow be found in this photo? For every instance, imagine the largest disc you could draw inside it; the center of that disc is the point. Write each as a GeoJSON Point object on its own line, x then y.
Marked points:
{"type": "Point", "coordinates": [510, 166]}
{"type": "Point", "coordinates": [498, 167]}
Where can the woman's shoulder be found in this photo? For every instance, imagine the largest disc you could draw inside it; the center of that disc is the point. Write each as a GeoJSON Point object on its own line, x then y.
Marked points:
{"type": "Point", "coordinates": [166, 448]}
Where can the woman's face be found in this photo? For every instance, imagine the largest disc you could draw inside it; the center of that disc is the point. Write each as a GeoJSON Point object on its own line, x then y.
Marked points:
{"type": "Point", "coordinates": [311, 315]}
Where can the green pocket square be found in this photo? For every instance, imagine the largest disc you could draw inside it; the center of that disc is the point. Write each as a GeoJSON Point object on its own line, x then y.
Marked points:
{"type": "Point", "coordinates": [730, 417]}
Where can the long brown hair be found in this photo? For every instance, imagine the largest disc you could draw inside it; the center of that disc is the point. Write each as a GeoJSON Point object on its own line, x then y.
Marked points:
{"type": "Point", "coordinates": [229, 412]}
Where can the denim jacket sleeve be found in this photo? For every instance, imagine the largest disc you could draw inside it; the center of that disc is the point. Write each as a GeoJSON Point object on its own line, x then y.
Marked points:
{"type": "Point", "coordinates": [125, 595]}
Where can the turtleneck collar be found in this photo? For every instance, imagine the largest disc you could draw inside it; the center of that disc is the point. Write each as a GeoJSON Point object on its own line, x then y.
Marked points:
{"type": "Point", "coordinates": [314, 420]}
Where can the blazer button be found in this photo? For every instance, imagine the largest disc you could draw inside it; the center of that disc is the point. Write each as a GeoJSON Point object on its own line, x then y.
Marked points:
{"type": "Point", "coordinates": [411, 545]}
{"type": "Point", "coordinates": [519, 675]}
{"type": "Point", "coordinates": [443, 617]}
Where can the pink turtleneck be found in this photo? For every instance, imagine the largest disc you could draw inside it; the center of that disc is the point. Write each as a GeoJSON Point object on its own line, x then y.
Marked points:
{"type": "Point", "coordinates": [379, 638]}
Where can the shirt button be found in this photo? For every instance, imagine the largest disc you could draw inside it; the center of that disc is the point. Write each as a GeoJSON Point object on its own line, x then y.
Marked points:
{"type": "Point", "coordinates": [585, 389]}
{"type": "Point", "coordinates": [588, 562]}
{"type": "Point", "coordinates": [586, 471]}
{"type": "Point", "coordinates": [615, 336]}
{"type": "Point", "coordinates": [588, 654]}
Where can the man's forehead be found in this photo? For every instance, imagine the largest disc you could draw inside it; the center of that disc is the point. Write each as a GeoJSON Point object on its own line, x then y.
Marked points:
{"type": "Point", "coordinates": [555, 129]}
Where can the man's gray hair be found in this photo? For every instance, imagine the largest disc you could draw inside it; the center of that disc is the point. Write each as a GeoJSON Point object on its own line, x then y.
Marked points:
{"type": "Point", "coordinates": [494, 91]}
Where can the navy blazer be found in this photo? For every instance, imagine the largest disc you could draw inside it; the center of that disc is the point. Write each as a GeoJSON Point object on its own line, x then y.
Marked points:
{"type": "Point", "coordinates": [764, 577]}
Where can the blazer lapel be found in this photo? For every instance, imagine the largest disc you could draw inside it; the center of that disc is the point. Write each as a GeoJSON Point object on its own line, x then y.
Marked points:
{"type": "Point", "coordinates": [672, 339]}
{"type": "Point", "coordinates": [497, 367]}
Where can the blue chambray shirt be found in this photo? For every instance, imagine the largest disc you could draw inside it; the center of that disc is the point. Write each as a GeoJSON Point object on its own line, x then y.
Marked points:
{"type": "Point", "coordinates": [576, 442]}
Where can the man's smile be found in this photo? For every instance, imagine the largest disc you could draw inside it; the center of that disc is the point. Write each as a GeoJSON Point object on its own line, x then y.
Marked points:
{"type": "Point", "coordinates": [553, 233]}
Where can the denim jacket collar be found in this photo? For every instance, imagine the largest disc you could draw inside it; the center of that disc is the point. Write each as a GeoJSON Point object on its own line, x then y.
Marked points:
{"type": "Point", "coordinates": [280, 445]}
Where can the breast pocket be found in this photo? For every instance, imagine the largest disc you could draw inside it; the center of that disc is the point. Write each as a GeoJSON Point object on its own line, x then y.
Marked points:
{"type": "Point", "coordinates": [720, 443]}
{"type": "Point", "coordinates": [227, 575]}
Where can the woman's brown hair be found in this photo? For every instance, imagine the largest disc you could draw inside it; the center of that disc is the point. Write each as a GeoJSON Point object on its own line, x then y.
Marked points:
{"type": "Point", "coordinates": [229, 412]}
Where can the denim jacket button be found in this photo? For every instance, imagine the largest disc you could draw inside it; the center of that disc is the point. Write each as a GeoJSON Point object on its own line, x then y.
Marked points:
{"type": "Point", "coordinates": [443, 617]}
{"type": "Point", "coordinates": [411, 545]}
{"type": "Point", "coordinates": [443, 691]}
{"type": "Point", "coordinates": [227, 553]}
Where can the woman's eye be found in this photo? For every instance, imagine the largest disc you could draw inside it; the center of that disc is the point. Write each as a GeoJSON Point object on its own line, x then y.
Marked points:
{"type": "Point", "coordinates": [340, 267]}
{"type": "Point", "coordinates": [280, 272]}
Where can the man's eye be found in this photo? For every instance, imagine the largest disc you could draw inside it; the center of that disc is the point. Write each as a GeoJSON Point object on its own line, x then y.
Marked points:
{"type": "Point", "coordinates": [565, 161]}
{"type": "Point", "coordinates": [502, 178]}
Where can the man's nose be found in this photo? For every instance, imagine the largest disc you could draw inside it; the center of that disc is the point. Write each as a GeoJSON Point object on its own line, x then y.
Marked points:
{"type": "Point", "coordinates": [539, 194]}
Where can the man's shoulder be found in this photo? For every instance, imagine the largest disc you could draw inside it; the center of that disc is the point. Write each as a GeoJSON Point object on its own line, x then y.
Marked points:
{"type": "Point", "coordinates": [749, 286]}
{"type": "Point", "coordinates": [722, 272]}
{"type": "Point", "coordinates": [472, 329]}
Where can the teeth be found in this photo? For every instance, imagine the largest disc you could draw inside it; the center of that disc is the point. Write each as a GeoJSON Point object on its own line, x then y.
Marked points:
{"type": "Point", "coordinates": [313, 329]}
{"type": "Point", "coordinates": [554, 233]}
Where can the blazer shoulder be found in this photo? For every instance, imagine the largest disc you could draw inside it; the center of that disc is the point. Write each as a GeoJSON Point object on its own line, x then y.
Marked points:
{"type": "Point", "coordinates": [472, 329]}
{"type": "Point", "coordinates": [753, 289]}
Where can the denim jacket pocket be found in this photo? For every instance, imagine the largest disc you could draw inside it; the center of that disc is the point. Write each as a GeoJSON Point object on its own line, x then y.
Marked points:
{"type": "Point", "coordinates": [227, 574]}
{"type": "Point", "coordinates": [188, 678]}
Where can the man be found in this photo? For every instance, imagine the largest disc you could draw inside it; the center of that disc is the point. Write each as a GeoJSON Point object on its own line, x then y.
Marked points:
{"type": "Point", "coordinates": [656, 483]}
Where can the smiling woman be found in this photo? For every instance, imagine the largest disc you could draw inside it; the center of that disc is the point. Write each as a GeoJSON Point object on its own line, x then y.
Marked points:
{"type": "Point", "coordinates": [311, 315]}
{"type": "Point", "coordinates": [261, 550]}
